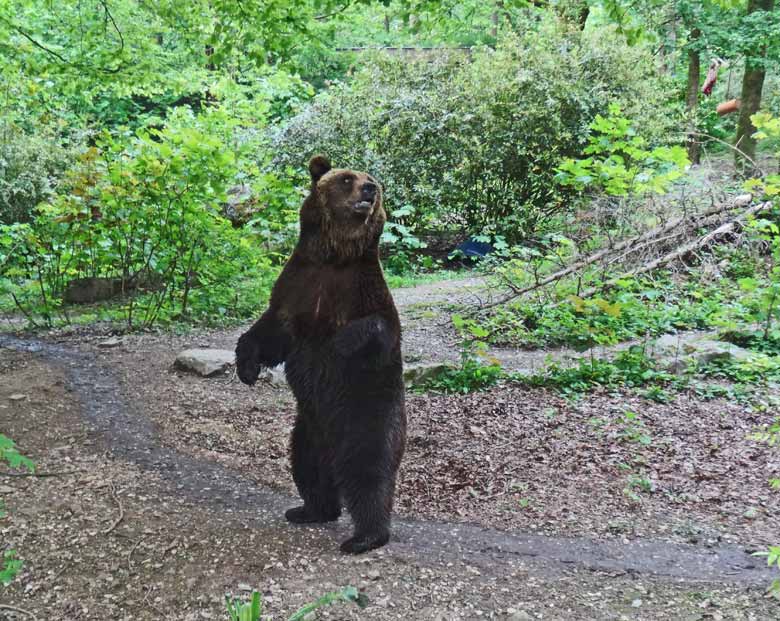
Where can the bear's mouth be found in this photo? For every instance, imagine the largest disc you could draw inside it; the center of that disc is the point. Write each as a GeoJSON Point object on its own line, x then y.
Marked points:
{"type": "Point", "coordinates": [363, 207]}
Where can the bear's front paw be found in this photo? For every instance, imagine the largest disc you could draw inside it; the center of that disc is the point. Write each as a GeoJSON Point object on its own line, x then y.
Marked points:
{"type": "Point", "coordinates": [247, 361]}
{"type": "Point", "coordinates": [363, 543]}
{"type": "Point", "coordinates": [361, 337]}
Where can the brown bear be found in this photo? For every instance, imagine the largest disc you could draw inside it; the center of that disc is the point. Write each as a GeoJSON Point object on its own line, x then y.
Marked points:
{"type": "Point", "coordinates": [332, 321]}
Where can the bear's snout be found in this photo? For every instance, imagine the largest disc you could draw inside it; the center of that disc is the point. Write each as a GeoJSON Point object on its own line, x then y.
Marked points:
{"type": "Point", "coordinates": [368, 191]}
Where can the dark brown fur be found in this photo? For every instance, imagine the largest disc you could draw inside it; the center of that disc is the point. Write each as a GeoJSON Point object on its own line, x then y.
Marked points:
{"type": "Point", "coordinates": [331, 319]}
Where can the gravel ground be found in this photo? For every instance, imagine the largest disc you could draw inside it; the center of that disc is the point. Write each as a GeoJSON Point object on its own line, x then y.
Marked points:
{"type": "Point", "coordinates": [511, 459]}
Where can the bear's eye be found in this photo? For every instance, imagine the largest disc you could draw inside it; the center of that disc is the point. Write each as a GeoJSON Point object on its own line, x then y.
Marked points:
{"type": "Point", "coordinates": [347, 181]}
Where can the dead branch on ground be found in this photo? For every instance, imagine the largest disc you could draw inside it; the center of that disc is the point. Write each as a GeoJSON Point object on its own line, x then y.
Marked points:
{"type": "Point", "coordinates": [672, 241]}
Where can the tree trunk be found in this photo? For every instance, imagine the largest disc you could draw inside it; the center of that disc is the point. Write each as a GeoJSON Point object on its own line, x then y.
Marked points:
{"type": "Point", "coordinates": [584, 12]}
{"type": "Point", "coordinates": [692, 97]}
{"type": "Point", "coordinates": [671, 34]}
{"type": "Point", "coordinates": [752, 85]}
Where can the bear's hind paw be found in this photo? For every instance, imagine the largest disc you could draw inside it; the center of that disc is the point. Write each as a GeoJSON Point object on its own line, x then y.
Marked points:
{"type": "Point", "coordinates": [363, 543]}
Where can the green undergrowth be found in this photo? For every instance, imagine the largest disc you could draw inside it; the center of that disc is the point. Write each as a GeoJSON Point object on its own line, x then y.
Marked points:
{"type": "Point", "coordinates": [629, 369]}
{"type": "Point", "coordinates": [10, 564]}
{"type": "Point", "coordinates": [634, 308]}
{"type": "Point", "coordinates": [746, 380]}
{"type": "Point", "coordinates": [413, 279]}
{"type": "Point", "coordinates": [252, 610]}
{"type": "Point", "coordinates": [242, 302]}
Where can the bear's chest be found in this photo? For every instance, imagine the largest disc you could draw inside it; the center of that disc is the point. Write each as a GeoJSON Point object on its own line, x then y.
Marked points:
{"type": "Point", "coordinates": [324, 301]}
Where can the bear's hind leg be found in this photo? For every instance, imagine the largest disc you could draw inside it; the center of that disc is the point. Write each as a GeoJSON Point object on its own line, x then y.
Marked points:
{"type": "Point", "coordinates": [369, 500]}
{"type": "Point", "coordinates": [314, 479]}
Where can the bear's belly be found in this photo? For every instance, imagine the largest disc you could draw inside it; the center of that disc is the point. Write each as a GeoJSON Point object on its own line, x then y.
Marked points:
{"type": "Point", "coordinates": [325, 383]}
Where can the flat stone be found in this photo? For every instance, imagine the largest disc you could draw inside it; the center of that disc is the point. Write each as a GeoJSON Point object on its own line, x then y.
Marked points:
{"type": "Point", "coordinates": [114, 341]}
{"type": "Point", "coordinates": [4, 489]}
{"type": "Point", "coordinates": [205, 362]}
{"type": "Point", "coordinates": [420, 373]}
{"type": "Point", "coordinates": [676, 352]}
{"type": "Point", "coordinates": [17, 397]}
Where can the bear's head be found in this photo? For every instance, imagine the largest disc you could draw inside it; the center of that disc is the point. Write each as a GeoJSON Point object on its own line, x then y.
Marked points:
{"type": "Point", "coordinates": [343, 211]}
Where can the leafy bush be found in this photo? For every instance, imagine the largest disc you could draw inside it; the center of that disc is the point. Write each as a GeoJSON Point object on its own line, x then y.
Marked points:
{"type": "Point", "coordinates": [620, 163]}
{"type": "Point", "coordinates": [477, 370]}
{"type": "Point", "coordinates": [31, 165]}
{"type": "Point", "coordinates": [143, 214]}
{"type": "Point", "coordinates": [630, 369]}
{"type": "Point", "coordinates": [11, 455]}
{"type": "Point", "coordinates": [473, 141]}
{"type": "Point", "coordinates": [632, 309]}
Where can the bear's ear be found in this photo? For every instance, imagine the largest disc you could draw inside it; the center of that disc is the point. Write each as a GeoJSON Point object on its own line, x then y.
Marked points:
{"type": "Point", "coordinates": [318, 166]}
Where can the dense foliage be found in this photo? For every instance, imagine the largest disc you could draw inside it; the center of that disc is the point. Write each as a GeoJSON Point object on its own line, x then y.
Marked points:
{"type": "Point", "coordinates": [473, 141]}
{"type": "Point", "coordinates": [130, 130]}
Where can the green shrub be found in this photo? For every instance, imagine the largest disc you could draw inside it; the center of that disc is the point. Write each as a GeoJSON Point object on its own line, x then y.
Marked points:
{"type": "Point", "coordinates": [10, 565]}
{"type": "Point", "coordinates": [144, 214]}
{"type": "Point", "coordinates": [477, 369]}
{"type": "Point", "coordinates": [632, 309]}
{"type": "Point", "coordinates": [630, 369]}
{"type": "Point", "coordinates": [31, 166]}
{"type": "Point", "coordinates": [473, 141]}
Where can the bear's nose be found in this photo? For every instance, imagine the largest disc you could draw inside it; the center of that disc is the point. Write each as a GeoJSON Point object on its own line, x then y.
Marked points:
{"type": "Point", "coordinates": [368, 191]}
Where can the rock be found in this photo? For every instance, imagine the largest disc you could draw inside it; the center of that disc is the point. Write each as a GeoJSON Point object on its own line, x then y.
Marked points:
{"type": "Point", "coordinates": [519, 615]}
{"type": "Point", "coordinates": [205, 362]}
{"type": "Point", "coordinates": [420, 373]}
{"type": "Point", "coordinates": [241, 205]}
{"type": "Point", "coordinates": [274, 375]}
{"type": "Point", "coordinates": [89, 290]}
{"type": "Point", "coordinates": [17, 397]}
{"type": "Point", "coordinates": [114, 341]}
{"type": "Point", "coordinates": [382, 602]}
{"type": "Point", "coordinates": [676, 352]}
{"type": "Point", "coordinates": [4, 489]}
{"type": "Point", "coordinates": [637, 603]}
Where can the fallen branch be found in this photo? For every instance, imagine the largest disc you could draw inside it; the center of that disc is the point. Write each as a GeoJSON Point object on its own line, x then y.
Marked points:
{"type": "Point", "coordinates": [682, 251]}
{"type": "Point", "coordinates": [121, 511]}
{"type": "Point", "coordinates": [19, 610]}
{"type": "Point", "coordinates": [631, 246]}
{"type": "Point", "coordinates": [130, 555]}
{"type": "Point", "coordinates": [61, 473]}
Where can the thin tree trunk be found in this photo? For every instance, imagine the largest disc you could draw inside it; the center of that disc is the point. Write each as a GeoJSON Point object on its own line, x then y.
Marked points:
{"type": "Point", "coordinates": [671, 33]}
{"type": "Point", "coordinates": [752, 85]}
{"type": "Point", "coordinates": [692, 96]}
{"type": "Point", "coordinates": [584, 12]}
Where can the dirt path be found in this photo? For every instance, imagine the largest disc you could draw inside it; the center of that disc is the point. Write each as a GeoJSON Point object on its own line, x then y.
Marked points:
{"type": "Point", "coordinates": [216, 517]}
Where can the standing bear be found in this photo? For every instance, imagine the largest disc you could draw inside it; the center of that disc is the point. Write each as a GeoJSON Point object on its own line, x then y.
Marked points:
{"type": "Point", "coordinates": [333, 323]}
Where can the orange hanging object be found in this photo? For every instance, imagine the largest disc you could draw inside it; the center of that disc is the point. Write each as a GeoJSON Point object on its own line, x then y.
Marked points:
{"type": "Point", "coordinates": [727, 107]}
{"type": "Point", "coordinates": [712, 77]}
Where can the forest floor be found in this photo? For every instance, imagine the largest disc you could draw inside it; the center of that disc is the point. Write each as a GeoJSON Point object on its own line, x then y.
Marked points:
{"type": "Point", "coordinates": [512, 504]}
